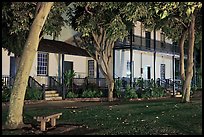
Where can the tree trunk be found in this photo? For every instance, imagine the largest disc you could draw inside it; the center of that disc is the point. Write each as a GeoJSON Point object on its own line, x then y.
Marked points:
{"type": "Point", "coordinates": [110, 90]}
{"type": "Point", "coordinates": [181, 46]}
{"type": "Point", "coordinates": [109, 79]}
{"type": "Point", "coordinates": [15, 117]}
{"type": "Point", "coordinates": [201, 63]}
{"type": "Point", "coordinates": [17, 59]}
{"type": "Point", "coordinates": [189, 72]}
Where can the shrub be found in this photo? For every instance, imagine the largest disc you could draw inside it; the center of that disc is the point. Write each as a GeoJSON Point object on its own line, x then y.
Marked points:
{"type": "Point", "coordinates": [33, 94]}
{"type": "Point", "coordinates": [6, 93]}
{"type": "Point", "coordinates": [130, 92]}
{"type": "Point", "coordinates": [71, 95]}
{"type": "Point", "coordinates": [146, 93]}
{"type": "Point", "coordinates": [118, 87]}
{"type": "Point", "coordinates": [158, 92]}
{"type": "Point", "coordinates": [91, 93]}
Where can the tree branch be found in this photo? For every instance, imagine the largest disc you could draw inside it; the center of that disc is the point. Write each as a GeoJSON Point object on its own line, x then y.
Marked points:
{"type": "Point", "coordinates": [86, 8]}
{"type": "Point", "coordinates": [181, 22]}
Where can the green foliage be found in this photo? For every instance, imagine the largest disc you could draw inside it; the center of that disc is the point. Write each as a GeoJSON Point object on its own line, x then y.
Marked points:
{"type": "Point", "coordinates": [91, 93]}
{"type": "Point", "coordinates": [71, 95]}
{"type": "Point", "coordinates": [146, 93]}
{"type": "Point", "coordinates": [115, 18]}
{"type": "Point", "coordinates": [17, 18]}
{"type": "Point", "coordinates": [68, 76]}
{"type": "Point", "coordinates": [158, 92]}
{"type": "Point", "coordinates": [118, 87]}
{"type": "Point", "coordinates": [171, 17]}
{"type": "Point", "coordinates": [5, 94]}
{"type": "Point", "coordinates": [140, 82]}
{"type": "Point", "coordinates": [130, 92]}
{"type": "Point", "coordinates": [33, 94]}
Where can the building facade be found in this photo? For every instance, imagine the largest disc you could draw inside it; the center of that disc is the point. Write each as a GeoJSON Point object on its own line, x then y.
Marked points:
{"type": "Point", "coordinates": [153, 56]}
{"type": "Point", "coordinates": [143, 54]}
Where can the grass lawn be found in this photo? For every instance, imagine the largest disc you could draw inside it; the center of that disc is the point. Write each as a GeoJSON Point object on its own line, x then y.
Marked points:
{"type": "Point", "coordinates": [156, 117]}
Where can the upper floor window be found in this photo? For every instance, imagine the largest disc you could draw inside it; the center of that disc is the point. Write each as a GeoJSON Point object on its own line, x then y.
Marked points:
{"type": "Point", "coordinates": [148, 39]}
{"type": "Point", "coordinates": [162, 39]}
{"type": "Point", "coordinates": [42, 66]}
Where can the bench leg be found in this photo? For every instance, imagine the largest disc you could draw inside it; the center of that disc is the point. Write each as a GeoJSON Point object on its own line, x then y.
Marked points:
{"type": "Point", "coordinates": [42, 125]}
{"type": "Point", "coordinates": [53, 122]}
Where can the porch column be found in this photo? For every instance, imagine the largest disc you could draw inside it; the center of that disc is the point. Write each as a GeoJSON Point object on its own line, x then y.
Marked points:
{"type": "Point", "coordinates": [173, 65]}
{"type": "Point", "coordinates": [63, 88]}
{"type": "Point", "coordinates": [131, 36]}
{"type": "Point", "coordinates": [114, 63]}
{"type": "Point", "coordinates": [154, 57]}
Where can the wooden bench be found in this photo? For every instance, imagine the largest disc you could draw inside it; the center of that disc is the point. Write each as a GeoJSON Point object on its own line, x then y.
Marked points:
{"type": "Point", "coordinates": [44, 119]}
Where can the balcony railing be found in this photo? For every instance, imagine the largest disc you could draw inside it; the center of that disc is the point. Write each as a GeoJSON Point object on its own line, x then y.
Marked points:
{"type": "Point", "coordinates": [145, 44]}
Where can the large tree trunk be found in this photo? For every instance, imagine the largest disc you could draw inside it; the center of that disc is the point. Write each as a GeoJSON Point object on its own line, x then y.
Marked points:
{"type": "Point", "coordinates": [15, 117]}
{"type": "Point", "coordinates": [110, 90]}
{"type": "Point", "coordinates": [103, 56]}
{"type": "Point", "coordinates": [189, 71]}
{"type": "Point", "coordinates": [109, 79]}
{"type": "Point", "coordinates": [201, 63]}
{"type": "Point", "coordinates": [17, 59]}
{"type": "Point", "coordinates": [181, 46]}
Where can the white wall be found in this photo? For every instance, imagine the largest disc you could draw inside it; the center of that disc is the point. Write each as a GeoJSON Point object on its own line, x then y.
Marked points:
{"type": "Point", "coordinates": [167, 60]}
{"type": "Point", "coordinates": [121, 58]}
{"type": "Point", "coordinates": [53, 64]}
{"type": "Point", "coordinates": [80, 64]}
{"type": "Point", "coordinates": [147, 60]}
{"type": "Point", "coordinates": [142, 59]}
{"type": "Point", "coordinates": [141, 32]}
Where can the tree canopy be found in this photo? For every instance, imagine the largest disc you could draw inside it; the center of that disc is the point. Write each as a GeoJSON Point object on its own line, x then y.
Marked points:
{"type": "Point", "coordinates": [101, 24]}
{"type": "Point", "coordinates": [17, 18]}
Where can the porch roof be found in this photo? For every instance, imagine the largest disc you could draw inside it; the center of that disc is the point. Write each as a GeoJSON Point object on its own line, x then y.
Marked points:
{"type": "Point", "coordinates": [54, 46]}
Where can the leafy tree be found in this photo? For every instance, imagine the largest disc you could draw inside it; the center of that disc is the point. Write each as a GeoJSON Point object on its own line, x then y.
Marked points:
{"type": "Point", "coordinates": [177, 20]}
{"type": "Point", "coordinates": [15, 117]}
{"type": "Point", "coordinates": [101, 24]}
{"type": "Point", "coordinates": [17, 18]}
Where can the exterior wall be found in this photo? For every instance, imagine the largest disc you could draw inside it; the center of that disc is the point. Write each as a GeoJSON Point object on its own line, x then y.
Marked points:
{"type": "Point", "coordinates": [167, 60]}
{"type": "Point", "coordinates": [147, 60]}
{"type": "Point", "coordinates": [142, 60]}
{"type": "Point", "coordinates": [140, 31]}
{"type": "Point", "coordinates": [80, 64]}
{"type": "Point", "coordinates": [121, 58]}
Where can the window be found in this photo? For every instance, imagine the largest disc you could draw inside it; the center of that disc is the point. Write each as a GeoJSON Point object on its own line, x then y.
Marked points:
{"type": "Point", "coordinates": [91, 68]}
{"type": "Point", "coordinates": [162, 70]}
{"type": "Point", "coordinates": [42, 67]}
{"type": "Point", "coordinates": [148, 72]}
{"type": "Point", "coordinates": [128, 69]}
{"type": "Point", "coordinates": [148, 39]}
{"type": "Point", "coordinates": [162, 40]}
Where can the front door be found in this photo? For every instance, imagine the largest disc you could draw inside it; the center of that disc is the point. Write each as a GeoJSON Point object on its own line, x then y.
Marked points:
{"type": "Point", "coordinates": [12, 66]}
{"type": "Point", "coordinates": [148, 72]}
{"type": "Point", "coordinates": [68, 65]}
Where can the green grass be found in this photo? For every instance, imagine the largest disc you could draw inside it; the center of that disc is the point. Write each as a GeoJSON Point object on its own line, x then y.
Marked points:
{"type": "Point", "coordinates": [159, 117]}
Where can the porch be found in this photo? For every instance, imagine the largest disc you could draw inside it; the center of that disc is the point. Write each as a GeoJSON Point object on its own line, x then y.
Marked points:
{"type": "Point", "coordinates": [78, 85]}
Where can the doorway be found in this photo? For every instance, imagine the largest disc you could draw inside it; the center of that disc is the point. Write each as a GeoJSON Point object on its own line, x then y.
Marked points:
{"type": "Point", "coordinates": [12, 66]}
{"type": "Point", "coordinates": [68, 65]}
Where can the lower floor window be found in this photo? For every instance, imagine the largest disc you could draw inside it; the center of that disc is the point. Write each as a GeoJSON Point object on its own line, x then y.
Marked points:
{"type": "Point", "coordinates": [91, 68]}
{"type": "Point", "coordinates": [42, 66]}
